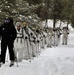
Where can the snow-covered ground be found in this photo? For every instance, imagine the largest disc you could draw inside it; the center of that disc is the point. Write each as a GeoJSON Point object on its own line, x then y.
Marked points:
{"type": "Point", "coordinates": [52, 61]}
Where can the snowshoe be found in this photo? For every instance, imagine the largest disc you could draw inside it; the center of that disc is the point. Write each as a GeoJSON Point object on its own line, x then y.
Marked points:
{"type": "Point", "coordinates": [11, 64]}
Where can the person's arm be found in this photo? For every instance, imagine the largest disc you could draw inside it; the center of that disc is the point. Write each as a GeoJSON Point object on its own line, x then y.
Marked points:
{"type": "Point", "coordinates": [1, 30]}
{"type": "Point", "coordinates": [14, 33]}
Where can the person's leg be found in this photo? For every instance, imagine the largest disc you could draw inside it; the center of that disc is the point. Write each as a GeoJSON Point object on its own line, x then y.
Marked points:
{"type": "Point", "coordinates": [63, 37]}
{"type": "Point", "coordinates": [66, 40]}
{"type": "Point", "coordinates": [3, 51]}
{"type": "Point", "coordinates": [11, 51]}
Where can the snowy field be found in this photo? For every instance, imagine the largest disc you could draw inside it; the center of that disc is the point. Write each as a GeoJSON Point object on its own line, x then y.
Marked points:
{"type": "Point", "coordinates": [52, 61]}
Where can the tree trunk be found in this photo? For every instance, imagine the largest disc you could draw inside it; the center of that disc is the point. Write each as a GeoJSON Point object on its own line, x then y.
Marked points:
{"type": "Point", "coordinates": [67, 24]}
{"type": "Point", "coordinates": [54, 22]}
{"type": "Point", "coordinates": [60, 24]}
{"type": "Point", "coordinates": [46, 23]}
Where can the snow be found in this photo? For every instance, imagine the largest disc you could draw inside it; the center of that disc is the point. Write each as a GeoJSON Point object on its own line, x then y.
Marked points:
{"type": "Point", "coordinates": [52, 61]}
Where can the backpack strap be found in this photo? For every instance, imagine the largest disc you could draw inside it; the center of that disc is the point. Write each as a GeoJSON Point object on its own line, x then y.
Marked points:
{"type": "Point", "coordinates": [20, 37]}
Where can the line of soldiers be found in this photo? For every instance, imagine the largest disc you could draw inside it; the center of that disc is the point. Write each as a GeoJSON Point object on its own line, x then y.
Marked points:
{"type": "Point", "coordinates": [31, 41]}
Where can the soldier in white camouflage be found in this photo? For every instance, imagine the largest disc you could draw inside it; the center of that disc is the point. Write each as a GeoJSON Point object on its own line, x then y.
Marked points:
{"type": "Point", "coordinates": [65, 33]}
{"type": "Point", "coordinates": [50, 36]}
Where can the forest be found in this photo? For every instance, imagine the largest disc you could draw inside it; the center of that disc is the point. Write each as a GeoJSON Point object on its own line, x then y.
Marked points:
{"type": "Point", "coordinates": [35, 11]}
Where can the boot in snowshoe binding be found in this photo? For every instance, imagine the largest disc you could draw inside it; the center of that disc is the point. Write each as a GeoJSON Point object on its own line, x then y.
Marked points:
{"type": "Point", "coordinates": [11, 64]}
